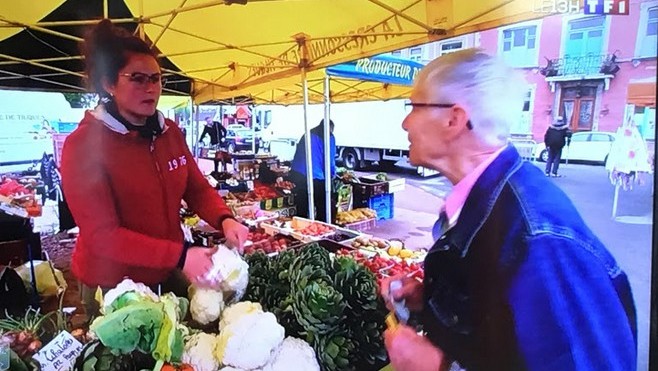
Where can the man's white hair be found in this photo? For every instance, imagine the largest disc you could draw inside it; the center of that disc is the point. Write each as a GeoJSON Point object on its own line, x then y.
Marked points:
{"type": "Point", "coordinates": [491, 92]}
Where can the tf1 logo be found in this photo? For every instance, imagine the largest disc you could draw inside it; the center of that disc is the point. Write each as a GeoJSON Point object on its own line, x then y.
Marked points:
{"type": "Point", "coordinates": [613, 7]}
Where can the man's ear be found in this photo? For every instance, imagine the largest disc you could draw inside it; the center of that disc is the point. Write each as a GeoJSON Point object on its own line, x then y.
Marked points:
{"type": "Point", "coordinates": [459, 118]}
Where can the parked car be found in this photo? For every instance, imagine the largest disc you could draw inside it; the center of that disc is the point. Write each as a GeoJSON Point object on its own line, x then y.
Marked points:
{"type": "Point", "coordinates": [240, 140]}
{"type": "Point", "coordinates": [590, 146]}
{"type": "Point", "coordinates": [236, 127]}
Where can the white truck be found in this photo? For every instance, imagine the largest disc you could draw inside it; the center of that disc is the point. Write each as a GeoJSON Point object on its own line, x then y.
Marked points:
{"type": "Point", "coordinates": [366, 132]}
{"type": "Point", "coordinates": [27, 123]}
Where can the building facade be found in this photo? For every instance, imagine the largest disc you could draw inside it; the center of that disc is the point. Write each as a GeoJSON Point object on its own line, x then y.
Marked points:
{"type": "Point", "coordinates": [576, 66]}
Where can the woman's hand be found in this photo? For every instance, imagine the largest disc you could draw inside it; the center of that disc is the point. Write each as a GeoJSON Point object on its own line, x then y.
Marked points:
{"type": "Point", "coordinates": [197, 264]}
{"type": "Point", "coordinates": [236, 234]}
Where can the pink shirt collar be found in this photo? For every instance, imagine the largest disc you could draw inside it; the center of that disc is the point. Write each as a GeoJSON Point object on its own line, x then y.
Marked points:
{"type": "Point", "coordinates": [457, 198]}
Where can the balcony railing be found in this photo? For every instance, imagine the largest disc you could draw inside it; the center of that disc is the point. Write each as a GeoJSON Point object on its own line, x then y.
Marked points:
{"type": "Point", "coordinates": [580, 65]}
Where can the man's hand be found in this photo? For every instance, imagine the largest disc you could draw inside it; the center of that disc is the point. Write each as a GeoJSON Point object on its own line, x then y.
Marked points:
{"type": "Point", "coordinates": [236, 234]}
{"type": "Point", "coordinates": [409, 351]}
{"type": "Point", "coordinates": [411, 291]}
{"type": "Point", "coordinates": [197, 263]}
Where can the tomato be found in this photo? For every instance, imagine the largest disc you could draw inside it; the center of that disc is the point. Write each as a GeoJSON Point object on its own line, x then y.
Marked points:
{"type": "Point", "coordinates": [181, 367]}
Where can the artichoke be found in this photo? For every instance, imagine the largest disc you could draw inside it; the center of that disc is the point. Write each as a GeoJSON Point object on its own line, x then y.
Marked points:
{"type": "Point", "coordinates": [260, 276]}
{"type": "Point", "coordinates": [368, 330]}
{"type": "Point", "coordinates": [335, 351]}
{"type": "Point", "coordinates": [318, 306]}
{"type": "Point", "coordinates": [285, 314]}
{"type": "Point", "coordinates": [357, 284]}
{"type": "Point", "coordinates": [312, 256]}
{"type": "Point", "coordinates": [367, 311]}
{"type": "Point", "coordinates": [96, 356]}
{"type": "Point", "coordinates": [278, 288]}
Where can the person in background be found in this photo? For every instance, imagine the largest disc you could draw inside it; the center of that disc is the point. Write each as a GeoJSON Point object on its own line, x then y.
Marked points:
{"type": "Point", "coordinates": [46, 128]}
{"type": "Point", "coordinates": [125, 171]}
{"type": "Point", "coordinates": [217, 133]}
{"type": "Point", "coordinates": [183, 130]}
{"type": "Point", "coordinates": [515, 280]}
{"type": "Point", "coordinates": [298, 172]}
{"type": "Point", "coordinates": [555, 138]}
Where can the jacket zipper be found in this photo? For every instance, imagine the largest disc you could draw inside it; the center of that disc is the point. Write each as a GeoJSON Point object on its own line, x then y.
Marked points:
{"type": "Point", "coordinates": [162, 181]}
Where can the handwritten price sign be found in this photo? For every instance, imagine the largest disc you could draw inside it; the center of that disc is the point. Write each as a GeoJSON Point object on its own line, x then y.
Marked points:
{"type": "Point", "coordinates": [60, 353]}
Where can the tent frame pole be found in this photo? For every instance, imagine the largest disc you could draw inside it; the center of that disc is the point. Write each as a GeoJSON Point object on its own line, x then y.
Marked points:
{"type": "Point", "coordinates": [307, 145]}
{"type": "Point", "coordinates": [327, 151]}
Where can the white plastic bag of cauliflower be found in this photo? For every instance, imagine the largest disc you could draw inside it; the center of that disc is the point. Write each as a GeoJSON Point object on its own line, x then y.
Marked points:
{"type": "Point", "coordinates": [205, 304]}
{"type": "Point", "coordinates": [249, 342]}
{"type": "Point", "coordinates": [199, 352]}
{"type": "Point", "coordinates": [293, 354]}
{"type": "Point", "coordinates": [231, 271]}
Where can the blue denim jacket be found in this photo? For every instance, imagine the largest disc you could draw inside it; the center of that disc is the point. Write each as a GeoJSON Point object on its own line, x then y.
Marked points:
{"type": "Point", "coordinates": [521, 282]}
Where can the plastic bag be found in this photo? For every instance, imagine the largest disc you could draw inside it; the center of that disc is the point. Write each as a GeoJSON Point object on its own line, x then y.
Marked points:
{"type": "Point", "coordinates": [49, 279]}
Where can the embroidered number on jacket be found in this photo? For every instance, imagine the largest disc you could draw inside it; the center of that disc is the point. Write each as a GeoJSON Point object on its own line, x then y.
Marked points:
{"type": "Point", "coordinates": [175, 163]}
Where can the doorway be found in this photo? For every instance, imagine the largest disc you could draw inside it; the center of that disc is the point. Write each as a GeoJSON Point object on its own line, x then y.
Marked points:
{"type": "Point", "coordinates": [577, 107]}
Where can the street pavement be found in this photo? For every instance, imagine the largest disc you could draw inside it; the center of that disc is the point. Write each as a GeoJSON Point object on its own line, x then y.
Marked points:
{"type": "Point", "coordinates": [628, 237]}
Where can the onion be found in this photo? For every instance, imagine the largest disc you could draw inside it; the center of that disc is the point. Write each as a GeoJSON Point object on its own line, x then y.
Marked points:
{"type": "Point", "coordinates": [34, 346]}
{"type": "Point", "coordinates": [23, 336]}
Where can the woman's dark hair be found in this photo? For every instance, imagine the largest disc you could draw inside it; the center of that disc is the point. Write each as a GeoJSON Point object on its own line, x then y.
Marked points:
{"type": "Point", "coordinates": [106, 49]}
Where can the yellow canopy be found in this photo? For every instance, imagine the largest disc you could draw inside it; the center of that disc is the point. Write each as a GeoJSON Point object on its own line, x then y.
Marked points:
{"type": "Point", "coordinates": [231, 49]}
{"type": "Point", "coordinates": [289, 91]}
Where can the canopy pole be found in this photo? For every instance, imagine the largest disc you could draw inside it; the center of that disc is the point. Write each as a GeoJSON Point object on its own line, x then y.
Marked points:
{"type": "Point", "coordinates": [195, 125]}
{"type": "Point", "coordinates": [327, 152]}
{"type": "Point", "coordinates": [190, 127]}
{"type": "Point", "coordinates": [142, 34]}
{"type": "Point", "coordinates": [307, 145]}
{"type": "Point", "coordinates": [253, 130]}
{"type": "Point", "coordinates": [105, 11]}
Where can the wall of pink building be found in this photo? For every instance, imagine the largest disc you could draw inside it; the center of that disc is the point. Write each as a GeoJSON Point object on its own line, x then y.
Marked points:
{"type": "Point", "coordinates": [622, 40]}
{"type": "Point", "coordinates": [623, 31]}
{"type": "Point", "coordinates": [615, 98]}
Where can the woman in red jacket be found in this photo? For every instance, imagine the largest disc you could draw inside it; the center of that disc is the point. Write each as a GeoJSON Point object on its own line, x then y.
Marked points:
{"type": "Point", "coordinates": [126, 169]}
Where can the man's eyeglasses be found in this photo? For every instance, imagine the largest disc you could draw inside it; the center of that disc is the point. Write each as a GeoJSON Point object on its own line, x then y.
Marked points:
{"type": "Point", "coordinates": [408, 106]}
{"type": "Point", "coordinates": [142, 78]}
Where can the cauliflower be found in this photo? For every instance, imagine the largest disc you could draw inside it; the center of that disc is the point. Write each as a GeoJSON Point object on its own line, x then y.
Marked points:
{"type": "Point", "coordinates": [199, 352]}
{"type": "Point", "coordinates": [127, 285]}
{"type": "Point", "coordinates": [248, 343]}
{"type": "Point", "coordinates": [206, 304]}
{"type": "Point", "coordinates": [232, 271]}
{"type": "Point", "coordinates": [293, 354]}
{"type": "Point", "coordinates": [234, 312]}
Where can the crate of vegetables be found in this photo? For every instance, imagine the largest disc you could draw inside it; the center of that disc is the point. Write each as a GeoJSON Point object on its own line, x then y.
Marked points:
{"type": "Point", "coordinates": [307, 230]}
{"type": "Point", "coordinates": [384, 267]}
{"type": "Point", "coordinates": [259, 240]}
{"type": "Point", "coordinates": [270, 198]}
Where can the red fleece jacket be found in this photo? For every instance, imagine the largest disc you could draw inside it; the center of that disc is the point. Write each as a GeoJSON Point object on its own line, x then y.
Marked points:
{"type": "Point", "coordinates": [125, 192]}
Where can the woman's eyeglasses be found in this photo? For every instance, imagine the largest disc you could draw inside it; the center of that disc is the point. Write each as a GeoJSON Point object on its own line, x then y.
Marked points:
{"type": "Point", "coordinates": [142, 78]}
{"type": "Point", "coordinates": [408, 106]}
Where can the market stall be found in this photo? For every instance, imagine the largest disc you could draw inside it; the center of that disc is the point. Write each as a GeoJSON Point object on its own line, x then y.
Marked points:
{"type": "Point", "coordinates": [304, 297]}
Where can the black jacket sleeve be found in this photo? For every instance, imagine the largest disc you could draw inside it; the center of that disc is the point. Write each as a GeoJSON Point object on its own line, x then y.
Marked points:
{"type": "Point", "coordinates": [206, 131]}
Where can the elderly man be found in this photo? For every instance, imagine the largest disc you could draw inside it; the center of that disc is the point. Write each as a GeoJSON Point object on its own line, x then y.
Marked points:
{"type": "Point", "coordinates": [515, 280]}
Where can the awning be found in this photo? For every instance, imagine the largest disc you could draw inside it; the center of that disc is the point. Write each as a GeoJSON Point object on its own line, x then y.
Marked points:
{"type": "Point", "coordinates": [642, 92]}
{"type": "Point", "coordinates": [226, 47]}
{"type": "Point", "coordinates": [381, 68]}
{"type": "Point", "coordinates": [381, 77]}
